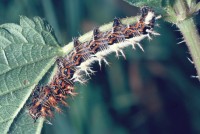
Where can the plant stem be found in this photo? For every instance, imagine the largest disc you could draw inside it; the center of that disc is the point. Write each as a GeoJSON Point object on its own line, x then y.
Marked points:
{"type": "Point", "coordinates": [185, 22]}
{"type": "Point", "coordinates": [192, 39]}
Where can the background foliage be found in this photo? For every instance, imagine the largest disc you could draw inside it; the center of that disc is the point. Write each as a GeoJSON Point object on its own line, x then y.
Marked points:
{"type": "Point", "coordinates": [150, 92]}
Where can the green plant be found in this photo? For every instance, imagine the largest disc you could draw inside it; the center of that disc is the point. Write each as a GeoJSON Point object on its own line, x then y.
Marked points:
{"type": "Point", "coordinates": [28, 52]}
{"type": "Point", "coordinates": [180, 13]}
{"type": "Point", "coordinates": [24, 40]}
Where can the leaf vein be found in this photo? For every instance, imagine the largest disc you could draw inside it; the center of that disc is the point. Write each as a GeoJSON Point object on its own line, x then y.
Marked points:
{"type": "Point", "coordinates": [27, 64]}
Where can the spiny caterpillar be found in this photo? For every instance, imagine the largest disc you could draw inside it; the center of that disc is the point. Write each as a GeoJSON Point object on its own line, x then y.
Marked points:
{"type": "Point", "coordinates": [71, 68]}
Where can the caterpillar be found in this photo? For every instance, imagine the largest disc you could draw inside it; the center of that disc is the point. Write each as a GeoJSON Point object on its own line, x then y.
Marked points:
{"type": "Point", "coordinates": [77, 63]}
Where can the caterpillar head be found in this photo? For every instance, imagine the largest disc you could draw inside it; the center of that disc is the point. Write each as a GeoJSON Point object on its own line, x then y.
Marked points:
{"type": "Point", "coordinates": [35, 112]}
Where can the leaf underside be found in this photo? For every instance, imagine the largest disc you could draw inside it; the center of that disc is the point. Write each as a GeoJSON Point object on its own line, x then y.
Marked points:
{"type": "Point", "coordinates": [27, 52]}
{"type": "Point", "coordinates": [157, 5]}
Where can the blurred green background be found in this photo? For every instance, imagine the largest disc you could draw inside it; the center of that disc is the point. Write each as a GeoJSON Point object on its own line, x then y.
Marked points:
{"type": "Point", "coordinates": [150, 92]}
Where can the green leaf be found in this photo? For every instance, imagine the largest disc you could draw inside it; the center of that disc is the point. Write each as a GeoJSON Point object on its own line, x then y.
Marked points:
{"type": "Point", "coordinates": [27, 52]}
{"type": "Point", "coordinates": [158, 5]}
{"type": "Point", "coordinates": [197, 7]}
{"type": "Point", "coordinates": [140, 3]}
